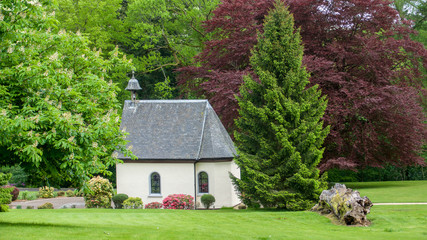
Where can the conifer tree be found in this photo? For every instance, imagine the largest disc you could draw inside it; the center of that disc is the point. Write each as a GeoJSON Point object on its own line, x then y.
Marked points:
{"type": "Point", "coordinates": [280, 132]}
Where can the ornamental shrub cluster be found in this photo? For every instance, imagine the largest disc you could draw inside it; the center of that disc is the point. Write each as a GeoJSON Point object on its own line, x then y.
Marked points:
{"type": "Point", "coordinates": [14, 191]}
{"type": "Point", "coordinates": [208, 200]}
{"type": "Point", "coordinates": [46, 192]}
{"type": "Point", "coordinates": [5, 196]}
{"type": "Point", "coordinates": [132, 203]}
{"type": "Point", "coordinates": [153, 205]}
{"type": "Point", "coordinates": [70, 193]}
{"type": "Point", "coordinates": [100, 193]}
{"type": "Point", "coordinates": [119, 199]}
{"type": "Point", "coordinates": [178, 201]}
{"type": "Point", "coordinates": [47, 205]}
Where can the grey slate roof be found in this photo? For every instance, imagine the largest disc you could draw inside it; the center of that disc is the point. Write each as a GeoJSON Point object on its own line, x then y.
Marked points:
{"type": "Point", "coordinates": [175, 130]}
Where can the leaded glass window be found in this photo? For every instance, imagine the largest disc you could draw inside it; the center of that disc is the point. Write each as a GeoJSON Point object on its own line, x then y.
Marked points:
{"type": "Point", "coordinates": [203, 182]}
{"type": "Point", "coordinates": [155, 183]}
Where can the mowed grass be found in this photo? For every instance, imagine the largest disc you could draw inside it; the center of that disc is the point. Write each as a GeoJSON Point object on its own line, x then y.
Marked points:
{"type": "Point", "coordinates": [393, 191]}
{"type": "Point", "coordinates": [389, 222]}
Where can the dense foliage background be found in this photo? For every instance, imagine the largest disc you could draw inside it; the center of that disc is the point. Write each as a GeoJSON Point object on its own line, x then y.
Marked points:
{"type": "Point", "coordinates": [64, 65]}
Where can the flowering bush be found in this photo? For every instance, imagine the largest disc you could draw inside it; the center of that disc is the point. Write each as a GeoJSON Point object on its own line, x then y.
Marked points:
{"type": "Point", "coordinates": [153, 205]}
{"type": "Point", "coordinates": [178, 201]}
{"type": "Point", "coordinates": [101, 192]}
{"type": "Point", "coordinates": [46, 192]}
{"type": "Point", "coordinates": [132, 203]}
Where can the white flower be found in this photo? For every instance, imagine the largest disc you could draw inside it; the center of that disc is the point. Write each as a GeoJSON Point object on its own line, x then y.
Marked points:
{"type": "Point", "coordinates": [1, 17]}
{"type": "Point", "coordinates": [10, 50]}
{"type": "Point", "coordinates": [95, 145]}
{"type": "Point", "coordinates": [72, 156]}
{"type": "Point", "coordinates": [46, 73]}
{"type": "Point", "coordinates": [71, 139]}
{"type": "Point", "coordinates": [54, 56]}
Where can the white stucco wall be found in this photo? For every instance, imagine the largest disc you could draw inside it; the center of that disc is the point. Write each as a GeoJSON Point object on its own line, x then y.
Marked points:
{"type": "Point", "coordinates": [177, 178]}
{"type": "Point", "coordinates": [133, 179]}
{"type": "Point", "coordinates": [220, 185]}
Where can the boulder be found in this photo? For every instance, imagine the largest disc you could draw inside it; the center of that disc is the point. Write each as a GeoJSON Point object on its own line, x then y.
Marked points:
{"type": "Point", "coordinates": [345, 205]}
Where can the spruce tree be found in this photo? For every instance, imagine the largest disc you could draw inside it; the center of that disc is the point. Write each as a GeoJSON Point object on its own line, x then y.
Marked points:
{"type": "Point", "coordinates": [280, 129]}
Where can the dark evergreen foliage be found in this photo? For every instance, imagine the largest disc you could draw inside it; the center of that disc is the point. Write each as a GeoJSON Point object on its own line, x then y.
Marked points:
{"type": "Point", "coordinates": [280, 132]}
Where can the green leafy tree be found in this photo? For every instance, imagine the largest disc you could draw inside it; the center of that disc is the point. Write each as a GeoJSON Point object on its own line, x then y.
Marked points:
{"type": "Point", "coordinates": [415, 10]}
{"type": "Point", "coordinates": [58, 110]}
{"type": "Point", "coordinates": [103, 24]}
{"type": "Point", "coordinates": [280, 131]}
{"type": "Point", "coordinates": [164, 35]}
{"type": "Point", "coordinates": [99, 20]}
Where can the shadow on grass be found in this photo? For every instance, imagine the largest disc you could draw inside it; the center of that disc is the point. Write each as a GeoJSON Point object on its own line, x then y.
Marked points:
{"type": "Point", "coordinates": [21, 224]}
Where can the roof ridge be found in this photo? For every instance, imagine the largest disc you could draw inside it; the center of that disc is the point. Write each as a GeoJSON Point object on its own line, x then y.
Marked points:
{"type": "Point", "coordinates": [203, 130]}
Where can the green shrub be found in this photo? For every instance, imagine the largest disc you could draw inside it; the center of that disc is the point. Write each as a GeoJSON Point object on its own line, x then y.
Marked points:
{"type": "Point", "coordinates": [60, 193]}
{"type": "Point", "coordinates": [119, 199]}
{"type": "Point", "coordinates": [78, 193]}
{"type": "Point", "coordinates": [24, 195]}
{"type": "Point", "coordinates": [19, 176]}
{"type": "Point", "coordinates": [30, 207]}
{"type": "Point", "coordinates": [101, 193]}
{"type": "Point", "coordinates": [18, 207]}
{"type": "Point", "coordinates": [132, 203]}
{"type": "Point", "coordinates": [46, 192]}
{"type": "Point", "coordinates": [208, 200]}
{"type": "Point", "coordinates": [4, 208]}
{"type": "Point", "coordinates": [5, 193]}
{"type": "Point", "coordinates": [47, 205]}
{"type": "Point", "coordinates": [4, 178]}
{"type": "Point", "coordinates": [70, 193]}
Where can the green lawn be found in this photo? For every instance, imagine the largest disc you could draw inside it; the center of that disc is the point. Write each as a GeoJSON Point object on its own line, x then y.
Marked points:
{"type": "Point", "coordinates": [393, 191]}
{"type": "Point", "coordinates": [389, 222]}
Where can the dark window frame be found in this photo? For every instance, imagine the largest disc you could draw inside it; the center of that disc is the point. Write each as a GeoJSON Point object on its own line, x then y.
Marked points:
{"type": "Point", "coordinates": [203, 179]}
{"type": "Point", "coordinates": [155, 187]}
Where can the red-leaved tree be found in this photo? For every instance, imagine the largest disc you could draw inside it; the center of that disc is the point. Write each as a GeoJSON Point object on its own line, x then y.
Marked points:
{"type": "Point", "coordinates": [360, 54]}
{"type": "Point", "coordinates": [225, 59]}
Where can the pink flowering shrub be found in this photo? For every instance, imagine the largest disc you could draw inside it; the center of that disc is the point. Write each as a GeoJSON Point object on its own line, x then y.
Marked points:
{"type": "Point", "coordinates": [153, 205]}
{"type": "Point", "coordinates": [178, 201]}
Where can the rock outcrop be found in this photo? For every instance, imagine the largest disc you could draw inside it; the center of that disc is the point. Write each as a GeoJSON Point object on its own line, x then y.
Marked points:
{"type": "Point", "coordinates": [345, 205]}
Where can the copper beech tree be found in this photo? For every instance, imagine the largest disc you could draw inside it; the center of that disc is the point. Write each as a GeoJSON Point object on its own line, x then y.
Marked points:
{"type": "Point", "coordinates": [360, 54]}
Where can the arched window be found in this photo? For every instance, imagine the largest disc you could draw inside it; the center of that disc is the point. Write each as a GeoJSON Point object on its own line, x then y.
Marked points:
{"type": "Point", "coordinates": [155, 183]}
{"type": "Point", "coordinates": [203, 182]}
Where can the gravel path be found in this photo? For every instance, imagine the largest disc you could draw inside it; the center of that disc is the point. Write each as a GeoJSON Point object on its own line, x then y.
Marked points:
{"type": "Point", "coordinates": [59, 202]}
{"type": "Point", "coordinates": [78, 202]}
